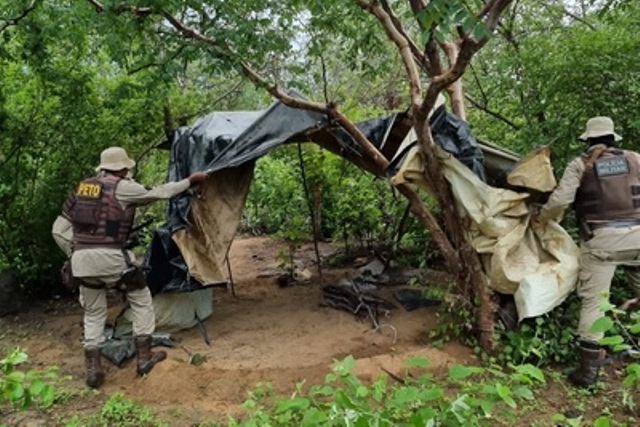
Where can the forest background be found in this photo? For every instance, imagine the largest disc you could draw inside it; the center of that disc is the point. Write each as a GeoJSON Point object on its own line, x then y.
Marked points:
{"type": "Point", "coordinates": [78, 77]}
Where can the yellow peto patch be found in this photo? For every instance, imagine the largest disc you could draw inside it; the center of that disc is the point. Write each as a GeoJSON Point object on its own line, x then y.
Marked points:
{"type": "Point", "coordinates": [89, 189]}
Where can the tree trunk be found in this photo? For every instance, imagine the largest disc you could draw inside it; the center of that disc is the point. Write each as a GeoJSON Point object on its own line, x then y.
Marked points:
{"type": "Point", "coordinates": [455, 90]}
{"type": "Point", "coordinates": [464, 262]}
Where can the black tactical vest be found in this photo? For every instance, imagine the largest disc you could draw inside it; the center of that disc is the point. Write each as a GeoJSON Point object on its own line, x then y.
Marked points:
{"type": "Point", "coordinates": [97, 217]}
{"type": "Point", "coordinates": [610, 186]}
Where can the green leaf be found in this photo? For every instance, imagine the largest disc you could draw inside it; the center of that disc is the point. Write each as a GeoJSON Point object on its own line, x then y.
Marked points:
{"type": "Point", "coordinates": [606, 305]}
{"type": "Point", "coordinates": [16, 377]}
{"type": "Point", "coordinates": [524, 392]}
{"type": "Point", "coordinates": [345, 366]}
{"type": "Point", "coordinates": [17, 357]}
{"type": "Point", "coordinates": [635, 329]}
{"type": "Point", "coordinates": [602, 422]}
{"type": "Point", "coordinates": [431, 394]}
{"type": "Point", "coordinates": [322, 391]}
{"type": "Point", "coordinates": [486, 406]}
{"type": "Point", "coordinates": [313, 417]}
{"type": "Point", "coordinates": [601, 325]}
{"type": "Point", "coordinates": [36, 387]}
{"type": "Point", "coordinates": [459, 372]}
{"type": "Point", "coordinates": [502, 390]}
{"type": "Point", "coordinates": [362, 391]}
{"type": "Point", "coordinates": [48, 395]}
{"type": "Point", "coordinates": [614, 340]}
{"type": "Point", "coordinates": [505, 394]}
{"type": "Point", "coordinates": [17, 392]}
{"type": "Point", "coordinates": [621, 347]}
{"type": "Point", "coordinates": [295, 404]}
{"type": "Point", "coordinates": [531, 372]}
{"type": "Point", "coordinates": [344, 400]}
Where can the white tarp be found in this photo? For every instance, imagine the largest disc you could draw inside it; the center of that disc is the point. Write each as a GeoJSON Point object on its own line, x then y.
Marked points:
{"type": "Point", "coordinates": [538, 265]}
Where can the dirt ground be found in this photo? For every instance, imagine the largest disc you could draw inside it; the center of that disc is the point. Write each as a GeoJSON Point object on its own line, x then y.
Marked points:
{"type": "Point", "coordinates": [266, 333]}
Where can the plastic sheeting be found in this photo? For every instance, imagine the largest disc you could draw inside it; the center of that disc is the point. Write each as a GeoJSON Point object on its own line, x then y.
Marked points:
{"type": "Point", "coordinates": [189, 253]}
{"type": "Point", "coordinates": [539, 265]}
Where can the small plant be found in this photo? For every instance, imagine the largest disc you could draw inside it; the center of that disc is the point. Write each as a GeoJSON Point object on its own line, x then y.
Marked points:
{"type": "Point", "coordinates": [25, 388]}
{"type": "Point", "coordinates": [622, 337]}
{"type": "Point", "coordinates": [540, 341]}
{"type": "Point", "coordinates": [455, 321]}
{"type": "Point", "coordinates": [119, 411]}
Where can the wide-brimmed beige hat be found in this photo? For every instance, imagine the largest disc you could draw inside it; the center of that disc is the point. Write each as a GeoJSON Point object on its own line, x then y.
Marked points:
{"type": "Point", "coordinates": [599, 126]}
{"type": "Point", "coordinates": [115, 159]}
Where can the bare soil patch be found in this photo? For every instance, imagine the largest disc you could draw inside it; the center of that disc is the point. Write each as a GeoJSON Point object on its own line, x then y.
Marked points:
{"type": "Point", "coordinates": [266, 333]}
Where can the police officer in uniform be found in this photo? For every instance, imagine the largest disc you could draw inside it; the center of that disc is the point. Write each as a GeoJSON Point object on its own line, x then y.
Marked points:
{"type": "Point", "coordinates": [100, 213]}
{"type": "Point", "coordinates": [603, 183]}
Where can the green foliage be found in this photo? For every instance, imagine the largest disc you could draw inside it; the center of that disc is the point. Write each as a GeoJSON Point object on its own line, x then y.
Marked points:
{"type": "Point", "coordinates": [467, 396]}
{"type": "Point", "coordinates": [119, 411]}
{"type": "Point", "coordinates": [455, 321]}
{"type": "Point", "coordinates": [548, 73]}
{"type": "Point", "coordinates": [354, 208]}
{"type": "Point", "coordinates": [622, 334]}
{"type": "Point", "coordinates": [66, 94]}
{"type": "Point", "coordinates": [541, 341]}
{"type": "Point", "coordinates": [544, 340]}
{"type": "Point", "coordinates": [24, 389]}
{"type": "Point", "coordinates": [447, 18]}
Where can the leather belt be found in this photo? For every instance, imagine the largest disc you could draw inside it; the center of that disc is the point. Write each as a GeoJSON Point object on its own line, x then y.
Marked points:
{"type": "Point", "coordinates": [619, 223]}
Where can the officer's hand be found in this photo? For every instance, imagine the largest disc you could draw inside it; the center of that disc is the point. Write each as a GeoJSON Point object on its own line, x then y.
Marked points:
{"type": "Point", "coordinates": [197, 177]}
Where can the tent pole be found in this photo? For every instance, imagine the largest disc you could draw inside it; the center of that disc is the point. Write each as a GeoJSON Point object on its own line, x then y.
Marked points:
{"type": "Point", "coordinates": [314, 231]}
{"type": "Point", "coordinates": [203, 330]}
{"type": "Point", "coordinates": [233, 286]}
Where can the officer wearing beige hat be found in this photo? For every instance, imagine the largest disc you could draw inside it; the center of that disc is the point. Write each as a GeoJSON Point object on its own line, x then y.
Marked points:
{"type": "Point", "coordinates": [94, 226]}
{"type": "Point", "coordinates": [604, 185]}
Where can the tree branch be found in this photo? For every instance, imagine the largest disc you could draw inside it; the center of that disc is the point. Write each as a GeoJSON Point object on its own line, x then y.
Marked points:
{"type": "Point", "coordinates": [324, 79]}
{"type": "Point", "coordinates": [431, 48]}
{"type": "Point", "coordinates": [418, 55]}
{"type": "Point", "coordinates": [10, 22]}
{"type": "Point", "coordinates": [186, 118]}
{"type": "Point", "coordinates": [483, 94]}
{"type": "Point", "coordinates": [97, 5]}
{"type": "Point", "coordinates": [468, 47]}
{"type": "Point", "coordinates": [492, 113]}
{"type": "Point", "coordinates": [122, 8]}
{"type": "Point", "coordinates": [401, 42]}
{"type": "Point", "coordinates": [573, 16]}
{"type": "Point", "coordinates": [157, 64]}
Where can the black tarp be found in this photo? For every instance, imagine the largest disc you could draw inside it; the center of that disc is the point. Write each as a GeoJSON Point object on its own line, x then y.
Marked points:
{"type": "Point", "coordinates": [229, 139]}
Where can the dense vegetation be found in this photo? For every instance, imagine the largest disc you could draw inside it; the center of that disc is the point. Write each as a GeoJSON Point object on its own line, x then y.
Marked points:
{"type": "Point", "coordinates": [76, 79]}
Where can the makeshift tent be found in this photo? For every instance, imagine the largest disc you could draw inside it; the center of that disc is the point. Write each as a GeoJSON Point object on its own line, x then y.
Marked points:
{"type": "Point", "coordinates": [187, 255]}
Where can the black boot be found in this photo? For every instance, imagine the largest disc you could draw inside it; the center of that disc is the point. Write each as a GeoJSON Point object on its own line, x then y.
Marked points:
{"type": "Point", "coordinates": [147, 358]}
{"type": "Point", "coordinates": [591, 356]}
{"type": "Point", "coordinates": [95, 375]}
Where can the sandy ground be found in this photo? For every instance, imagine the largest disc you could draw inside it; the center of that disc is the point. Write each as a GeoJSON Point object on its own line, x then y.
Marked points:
{"type": "Point", "coordinates": [265, 333]}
